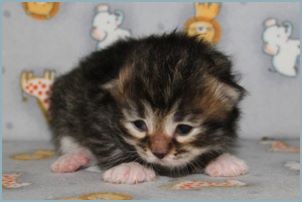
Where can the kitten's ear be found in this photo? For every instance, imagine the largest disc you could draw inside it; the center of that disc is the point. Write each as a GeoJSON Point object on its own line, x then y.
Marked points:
{"type": "Point", "coordinates": [229, 92]}
{"type": "Point", "coordinates": [226, 93]}
{"type": "Point", "coordinates": [113, 87]}
{"type": "Point", "coordinates": [109, 86]}
{"type": "Point", "coordinates": [118, 86]}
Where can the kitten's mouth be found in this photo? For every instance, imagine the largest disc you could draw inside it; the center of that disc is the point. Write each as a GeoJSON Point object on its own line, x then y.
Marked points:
{"type": "Point", "coordinates": [169, 160]}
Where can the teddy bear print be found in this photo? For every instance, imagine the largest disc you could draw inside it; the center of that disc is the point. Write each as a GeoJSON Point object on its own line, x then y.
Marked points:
{"type": "Point", "coordinates": [203, 24]}
{"type": "Point", "coordinates": [41, 10]}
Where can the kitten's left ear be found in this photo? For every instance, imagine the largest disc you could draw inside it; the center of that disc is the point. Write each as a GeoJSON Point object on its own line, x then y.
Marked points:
{"type": "Point", "coordinates": [230, 94]}
{"type": "Point", "coordinates": [223, 81]}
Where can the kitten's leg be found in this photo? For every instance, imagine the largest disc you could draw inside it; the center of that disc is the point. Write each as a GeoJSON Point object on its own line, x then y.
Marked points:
{"type": "Point", "coordinates": [226, 165]}
{"type": "Point", "coordinates": [71, 162]}
{"type": "Point", "coordinates": [73, 158]}
{"type": "Point", "coordinates": [129, 173]}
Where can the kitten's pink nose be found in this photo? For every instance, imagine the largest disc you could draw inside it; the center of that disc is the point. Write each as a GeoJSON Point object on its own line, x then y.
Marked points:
{"type": "Point", "coordinates": [160, 145]}
{"type": "Point", "coordinates": [160, 155]}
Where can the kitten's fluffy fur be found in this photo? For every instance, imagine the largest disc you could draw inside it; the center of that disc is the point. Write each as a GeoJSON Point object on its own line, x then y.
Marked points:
{"type": "Point", "coordinates": [163, 81]}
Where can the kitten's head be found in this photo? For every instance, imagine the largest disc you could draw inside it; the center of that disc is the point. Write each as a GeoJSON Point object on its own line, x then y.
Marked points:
{"type": "Point", "coordinates": [178, 99]}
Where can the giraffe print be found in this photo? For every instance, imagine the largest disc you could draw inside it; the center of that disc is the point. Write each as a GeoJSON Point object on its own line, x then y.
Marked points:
{"type": "Point", "coordinates": [10, 181]}
{"type": "Point", "coordinates": [40, 88]}
{"type": "Point", "coordinates": [199, 184]}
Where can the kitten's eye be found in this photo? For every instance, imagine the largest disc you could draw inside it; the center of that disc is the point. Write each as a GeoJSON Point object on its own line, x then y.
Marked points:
{"type": "Point", "coordinates": [140, 125]}
{"type": "Point", "coordinates": [183, 129]}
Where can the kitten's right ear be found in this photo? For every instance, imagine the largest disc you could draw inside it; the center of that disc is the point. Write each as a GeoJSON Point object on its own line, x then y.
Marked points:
{"type": "Point", "coordinates": [109, 86]}
{"type": "Point", "coordinates": [113, 88]}
{"type": "Point", "coordinates": [117, 87]}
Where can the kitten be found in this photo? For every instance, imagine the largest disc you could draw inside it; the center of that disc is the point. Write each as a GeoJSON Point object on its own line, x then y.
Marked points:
{"type": "Point", "coordinates": [160, 105]}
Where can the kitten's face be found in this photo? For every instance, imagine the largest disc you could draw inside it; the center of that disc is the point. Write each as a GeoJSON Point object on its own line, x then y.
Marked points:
{"type": "Point", "coordinates": [173, 108]}
{"type": "Point", "coordinates": [163, 137]}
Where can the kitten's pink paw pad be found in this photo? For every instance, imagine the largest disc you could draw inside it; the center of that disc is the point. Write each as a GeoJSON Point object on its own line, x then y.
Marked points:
{"type": "Point", "coordinates": [129, 173]}
{"type": "Point", "coordinates": [226, 165]}
{"type": "Point", "coordinates": [70, 162]}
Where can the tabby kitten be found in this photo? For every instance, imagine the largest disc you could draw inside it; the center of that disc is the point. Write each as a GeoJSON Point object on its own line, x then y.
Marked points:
{"type": "Point", "coordinates": [159, 105]}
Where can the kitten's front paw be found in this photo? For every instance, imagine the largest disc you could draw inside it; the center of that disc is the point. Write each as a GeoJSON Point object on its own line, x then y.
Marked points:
{"type": "Point", "coordinates": [226, 165]}
{"type": "Point", "coordinates": [129, 173]}
{"type": "Point", "coordinates": [70, 162]}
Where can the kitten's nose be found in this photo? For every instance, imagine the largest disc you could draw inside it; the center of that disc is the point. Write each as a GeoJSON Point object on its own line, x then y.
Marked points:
{"type": "Point", "coordinates": [159, 155]}
{"type": "Point", "coordinates": [160, 145]}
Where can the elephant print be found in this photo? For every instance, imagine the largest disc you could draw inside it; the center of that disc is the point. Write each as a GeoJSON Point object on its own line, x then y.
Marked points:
{"type": "Point", "coordinates": [279, 44]}
{"type": "Point", "coordinates": [106, 26]}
